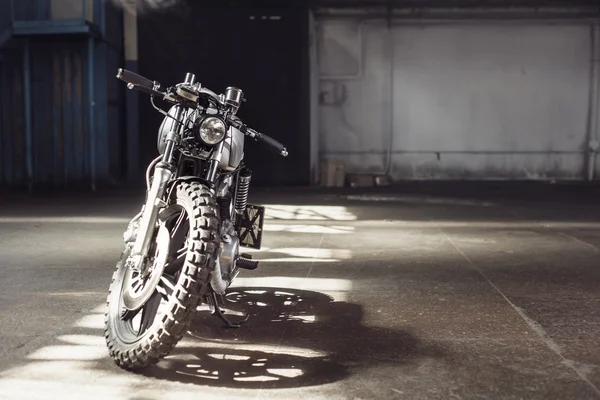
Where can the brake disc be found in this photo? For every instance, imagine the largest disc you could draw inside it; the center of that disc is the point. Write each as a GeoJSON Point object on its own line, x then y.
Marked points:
{"type": "Point", "coordinates": [137, 289]}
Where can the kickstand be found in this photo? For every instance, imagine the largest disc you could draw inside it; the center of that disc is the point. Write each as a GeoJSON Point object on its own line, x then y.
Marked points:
{"type": "Point", "coordinates": [219, 313]}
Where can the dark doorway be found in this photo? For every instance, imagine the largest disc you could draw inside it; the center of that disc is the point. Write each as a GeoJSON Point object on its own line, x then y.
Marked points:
{"type": "Point", "coordinates": [263, 51]}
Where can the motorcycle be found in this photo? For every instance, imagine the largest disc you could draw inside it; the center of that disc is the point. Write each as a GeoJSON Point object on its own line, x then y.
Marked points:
{"type": "Point", "coordinates": [183, 248]}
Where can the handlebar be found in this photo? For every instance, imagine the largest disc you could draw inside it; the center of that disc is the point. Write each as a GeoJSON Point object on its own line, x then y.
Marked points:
{"type": "Point", "coordinates": [135, 81]}
{"type": "Point", "coordinates": [145, 89]}
{"type": "Point", "coordinates": [280, 148]}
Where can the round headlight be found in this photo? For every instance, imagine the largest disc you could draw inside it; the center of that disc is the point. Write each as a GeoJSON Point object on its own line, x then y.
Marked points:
{"type": "Point", "coordinates": [212, 130]}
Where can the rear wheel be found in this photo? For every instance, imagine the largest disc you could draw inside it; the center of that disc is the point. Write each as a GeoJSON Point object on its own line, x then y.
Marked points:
{"type": "Point", "coordinates": [147, 315]}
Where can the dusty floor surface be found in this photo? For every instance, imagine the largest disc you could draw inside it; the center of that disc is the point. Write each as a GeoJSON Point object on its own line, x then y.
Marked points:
{"type": "Point", "coordinates": [389, 295]}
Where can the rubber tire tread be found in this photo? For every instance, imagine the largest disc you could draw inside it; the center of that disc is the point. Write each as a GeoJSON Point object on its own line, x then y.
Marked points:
{"type": "Point", "coordinates": [192, 285]}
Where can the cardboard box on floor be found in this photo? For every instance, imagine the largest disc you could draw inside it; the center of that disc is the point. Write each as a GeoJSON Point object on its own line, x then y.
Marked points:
{"type": "Point", "coordinates": [382, 180]}
{"type": "Point", "coordinates": [368, 180]}
{"type": "Point", "coordinates": [361, 180]}
{"type": "Point", "coordinates": [333, 173]}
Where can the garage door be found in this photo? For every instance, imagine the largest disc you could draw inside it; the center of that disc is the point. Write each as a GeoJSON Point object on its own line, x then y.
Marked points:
{"type": "Point", "coordinates": [478, 101]}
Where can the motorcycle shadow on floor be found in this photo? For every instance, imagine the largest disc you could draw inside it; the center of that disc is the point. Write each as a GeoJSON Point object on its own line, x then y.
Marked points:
{"type": "Point", "coordinates": [294, 338]}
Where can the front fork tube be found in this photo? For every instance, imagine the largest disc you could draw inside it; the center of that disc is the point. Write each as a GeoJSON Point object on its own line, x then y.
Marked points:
{"type": "Point", "coordinates": [213, 163]}
{"type": "Point", "coordinates": [162, 175]}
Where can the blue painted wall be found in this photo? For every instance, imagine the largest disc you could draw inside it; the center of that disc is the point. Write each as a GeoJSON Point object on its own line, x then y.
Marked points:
{"type": "Point", "coordinates": [12, 129]}
{"type": "Point", "coordinates": [77, 119]}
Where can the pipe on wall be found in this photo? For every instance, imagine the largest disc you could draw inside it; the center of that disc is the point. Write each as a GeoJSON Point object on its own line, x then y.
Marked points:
{"type": "Point", "coordinates": [92, 122]}
{"type": "Point", "coordinates": [593, 143]}
{"type": "Point", "coordinates": [391, 55]}
{"type": "Point", "coordinates": [442, 152]}
{"type": "Point", "coordinates": [314, 100]}
{"type": "Point", "coordinates": [130, 44]}
{"type": "Point", "coordinates": [28, 114]}
{"type": "Point", "coordinates": [461, 15]}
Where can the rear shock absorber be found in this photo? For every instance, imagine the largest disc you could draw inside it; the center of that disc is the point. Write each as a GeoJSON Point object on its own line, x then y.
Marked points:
{"type": "Point", "coordinates": [243, 187]}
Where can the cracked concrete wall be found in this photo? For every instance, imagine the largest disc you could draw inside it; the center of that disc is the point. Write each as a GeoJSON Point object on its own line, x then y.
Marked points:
{"type": "Point", "coordinates": [488, 100]}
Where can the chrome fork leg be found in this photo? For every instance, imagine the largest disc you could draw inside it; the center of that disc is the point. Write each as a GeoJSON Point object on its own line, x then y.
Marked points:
{"type": "Point", "coordinates": [163, 172]}
{"type": "Point", "coordinates": [162, 175]}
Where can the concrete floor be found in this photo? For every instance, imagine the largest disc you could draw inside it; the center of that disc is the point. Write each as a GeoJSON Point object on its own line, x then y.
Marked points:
{"type": "Point", "coordinates": [380, 295]}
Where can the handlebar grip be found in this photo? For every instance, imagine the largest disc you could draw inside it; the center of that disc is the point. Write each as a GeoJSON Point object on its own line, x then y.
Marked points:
{"type": "Point", "coordinates": [260, 136]}
{"type": "Point", "coordinates": [132, 77]}
{"type": "Point", "coordinates": [145, 89]}
{"type": "Point", "coordinates": [273, 143]}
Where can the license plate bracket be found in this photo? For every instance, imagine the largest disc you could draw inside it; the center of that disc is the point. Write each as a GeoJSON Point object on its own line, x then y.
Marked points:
{"type": "Point", "coordinates": [251, 226]}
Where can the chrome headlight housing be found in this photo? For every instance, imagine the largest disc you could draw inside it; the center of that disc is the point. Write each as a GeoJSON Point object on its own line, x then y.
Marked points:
{"type": "Point", "coordinates": [212, 130]}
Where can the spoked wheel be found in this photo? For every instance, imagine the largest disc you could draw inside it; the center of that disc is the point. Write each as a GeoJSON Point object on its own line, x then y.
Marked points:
{"type": "Point", "coordinates": [148, 312]}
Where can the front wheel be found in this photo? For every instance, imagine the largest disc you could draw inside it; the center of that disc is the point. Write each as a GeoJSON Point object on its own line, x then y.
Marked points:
{"type": "Point", "coordinates": [148, 314]}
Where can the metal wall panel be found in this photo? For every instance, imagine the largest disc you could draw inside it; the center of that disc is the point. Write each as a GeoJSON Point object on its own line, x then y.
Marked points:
{"type": "Point", "coordinates": [31, 10]}
{"type": "Point", "coordinates": [61, 133]}
{"type": "Point", "coordinates": [60, 113]}
{"type": "Point", "coordinates": [479, 100]}
{"type": "Point", "coordinates": [75, 134]}
{"type": "Point", "coordinates": [354, 100]}
{"type": "Point", "coordinates": [116, 140]}
{"type": "Point", "coordinates": [12, 130]}
{"type": "Point", "coordinates": [491, 101]}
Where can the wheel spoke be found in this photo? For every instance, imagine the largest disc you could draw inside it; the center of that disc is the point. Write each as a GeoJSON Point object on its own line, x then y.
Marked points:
{"type": "Point", "coordinates": [178, 224]}
{"type": "Point", "coordinates": [176, 261]}
{"type": "Point", "coordinates": [166, 286]}
{"type": "Point", "coordinates": [149, 313]}
{"type": "Point", "coordinates": [180, 230]}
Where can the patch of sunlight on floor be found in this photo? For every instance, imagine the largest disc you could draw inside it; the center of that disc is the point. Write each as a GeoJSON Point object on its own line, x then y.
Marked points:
{"type": "Point", "coordinates": [69, 353]}
{"type": "Point", "coordinates": [278, 349]}
{"type": "Point", "coordinates": [309, 212]}
{"type": "Point", "coordinates": [60, 220]}
{"type": "Point", "coordinates": [308, 228]}
{"type": "Point", "coordinates": [101, 309]}
{"type": "Point", "coordinates": [299, 254]}
{"type": "Point", "coordinates": [298, 260]}
{"type": "Point", "coordinates": [422, 200]}
{"type": "Point", "coordinates": [83, 340]}
{"type": "Point", "coordinates": [481, 224]}
{"type": "Point", "coordinates": [306, 318]}
{"type": "Point", "coordinates": [73, 294]}
{"type": "Point", "coordinates": [78, 367]}
{"type": "Point", "coordinates": [309, 252]}
{"type": "Point", "coordinates": [92, 321]}
{"type": "Point", "coordinates": [336, 288]}
{"type": "Point", "coordinates": [61, 380]}
{"type": "Point", "coordinates": [287, 372]}
{"type": "Point", "coordinates": [72, 372]}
